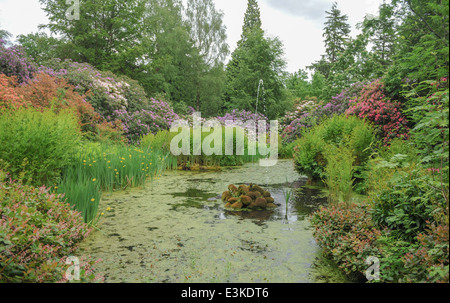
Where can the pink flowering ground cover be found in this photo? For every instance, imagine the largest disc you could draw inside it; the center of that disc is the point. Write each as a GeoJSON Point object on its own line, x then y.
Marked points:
{"type": "Point", "coordinates": [38, 231]}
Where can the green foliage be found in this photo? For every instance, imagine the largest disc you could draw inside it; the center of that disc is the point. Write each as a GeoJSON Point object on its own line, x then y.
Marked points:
{"type": "Point", "coordinates": [104, 167]}
{"type": "Point", "coordinates": [339, 172]}
{"type": "Point", "coordinates": [350, 132]}
{"type": "Point", "coordinates": [407, 202]}
{"type": "Point", "coordinates": [108, 34]}
{"type": "Point", "coordinates": [37, 145]}
{"type": "Point", "coordinates": [429, 109]}
{"type": "Point", "coordinates": [299, 86]}
{"type": "Point", "coordinates": [42, 47]}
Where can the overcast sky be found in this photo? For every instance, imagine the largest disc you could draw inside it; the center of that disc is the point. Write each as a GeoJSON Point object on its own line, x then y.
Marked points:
{"type": "Point", "coordinates": [298, 23]}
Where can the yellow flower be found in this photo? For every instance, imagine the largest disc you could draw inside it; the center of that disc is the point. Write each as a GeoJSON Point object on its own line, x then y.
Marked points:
{"type": "Point", "coordinates": [109, 162]}
{"type": "Point", "coordinates": [84, 161]}
{"type": "Point", "coordinates": [93, 180]}
{"type": "Point", "coordinates": [92, 200]}
{"type": "Point", "coordinates": [108, 209]}
{"type": "Point", "coordinates": [102, 214]}
{"type": "Point", "coordinates": [115, 169]}
{"type": "Point", "coordinates": [94, 161]}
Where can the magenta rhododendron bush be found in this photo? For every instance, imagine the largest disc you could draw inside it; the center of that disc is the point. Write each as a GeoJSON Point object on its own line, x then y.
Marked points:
{"type": "Point", "coordinates": [372, 104]}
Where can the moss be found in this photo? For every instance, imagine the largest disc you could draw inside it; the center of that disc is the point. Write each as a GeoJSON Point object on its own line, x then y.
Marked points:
{"type": "Point", "coordinates": [232, 200]}
{"type": "Point", "coordinates": [232, 188]}
{"type": "Point", "coordinates": [270, 199]}
{"type": "Point", "coordinates": [237, 205]}
{"type": "Point", "coordinates": [226, 195]}
{"type": "Point", "coordinates": [243, 189]}
{"type": "Point", "coordinates": [261, 202]}
{"type": "Point", "coordinates": [254, 195]}
{"type": "Point", "coordinates": [257, 189]}
{"type": "Point", "coordinates": [271, 205]}
{"type": "Point", "coordinates": [228, 205]}
{"type": "Point", "coordinates": [246, 200]}
{"type": "Point", "coordinates": [252, 205]}
{"type": "Point", "coordinates": [266, 194]}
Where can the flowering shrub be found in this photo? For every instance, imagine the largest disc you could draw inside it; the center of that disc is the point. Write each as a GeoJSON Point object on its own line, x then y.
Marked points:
{"type": "Point", "coordinates": [9, 98]}
{"type": "Point", "coordinates": [338, 104]}
{"type": "Point", "coordinates": [373, 105]}
{"type": "Point", "coordinates": [158, 116]}
{"type": "Point", "coordinates": [347, 235]}
{"type": "Point", "coordinates": [294, 130]}
{"type": "Point", "coordinates": [44, 91]}
{"type": "Point", "coordinates": [14, 62]}
{"type": "Point", "coordinates": [38, 231]}
{"type": "Point", "coordinates": [104, 90]}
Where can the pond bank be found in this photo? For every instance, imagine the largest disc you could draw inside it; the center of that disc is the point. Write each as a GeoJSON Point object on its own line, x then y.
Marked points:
{"type": "Point", "coordinates": [177, 230]}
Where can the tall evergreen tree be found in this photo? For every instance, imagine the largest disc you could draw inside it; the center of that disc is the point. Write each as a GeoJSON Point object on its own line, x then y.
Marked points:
{"type": "Point", "coordinates": [256, 58]}
{"type": "Point", "coordinates": [336, 33]}
{"type": "Point", "coordinates": [336, 37]}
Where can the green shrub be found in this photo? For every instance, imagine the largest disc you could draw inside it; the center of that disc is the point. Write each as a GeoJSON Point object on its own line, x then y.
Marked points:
{"type": "Point", "coordinates": [36, 145]}
{"type": "Point", "coordinates": [407, 202]}
{"type": "Point", "coordinates": [351, 132]}
{"type": "Point", "coordinates": [339, 173]}
{"type": "Point", "coordinates": [162, 140]}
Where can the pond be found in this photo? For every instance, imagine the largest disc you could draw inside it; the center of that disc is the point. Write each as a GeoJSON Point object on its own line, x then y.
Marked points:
{"type": "Point", "coordinates": [177, 230]}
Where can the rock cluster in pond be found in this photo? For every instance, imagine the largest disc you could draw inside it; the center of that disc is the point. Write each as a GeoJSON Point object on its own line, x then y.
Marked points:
{"type": "Point", "coordinates": [251, 197]}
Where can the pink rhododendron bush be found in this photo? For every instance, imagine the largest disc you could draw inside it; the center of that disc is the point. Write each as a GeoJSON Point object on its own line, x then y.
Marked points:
{"type": "Point", "coordinates": [373, 105]}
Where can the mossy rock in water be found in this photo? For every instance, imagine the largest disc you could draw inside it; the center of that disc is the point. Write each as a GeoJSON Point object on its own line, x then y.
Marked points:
{"type": "Point", "coordinates": [243, 189]}
{"type": "Point", "coordinates": [261, 202]}
{"type": "Point", "coordinates": [232, 188]}
{"type": "Point", "coordinates": [226, 195]}
{"type": "Point", "coordinates": [269, 199]}
{"type": "Point", "coordinates": [246, 200]}
{"type": "Point", "coordinates": [254, 195]}
{"type": "Point", "coordinates": [251, 197]}
{"type": "Point", "coordinates": [237, 205]}
{"type": "Point", "coordinates": [256, 188]}
{"type": "Point", "coordinates": [252, 205]}
{"type": "Point", "coordinates": [232, 200]}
